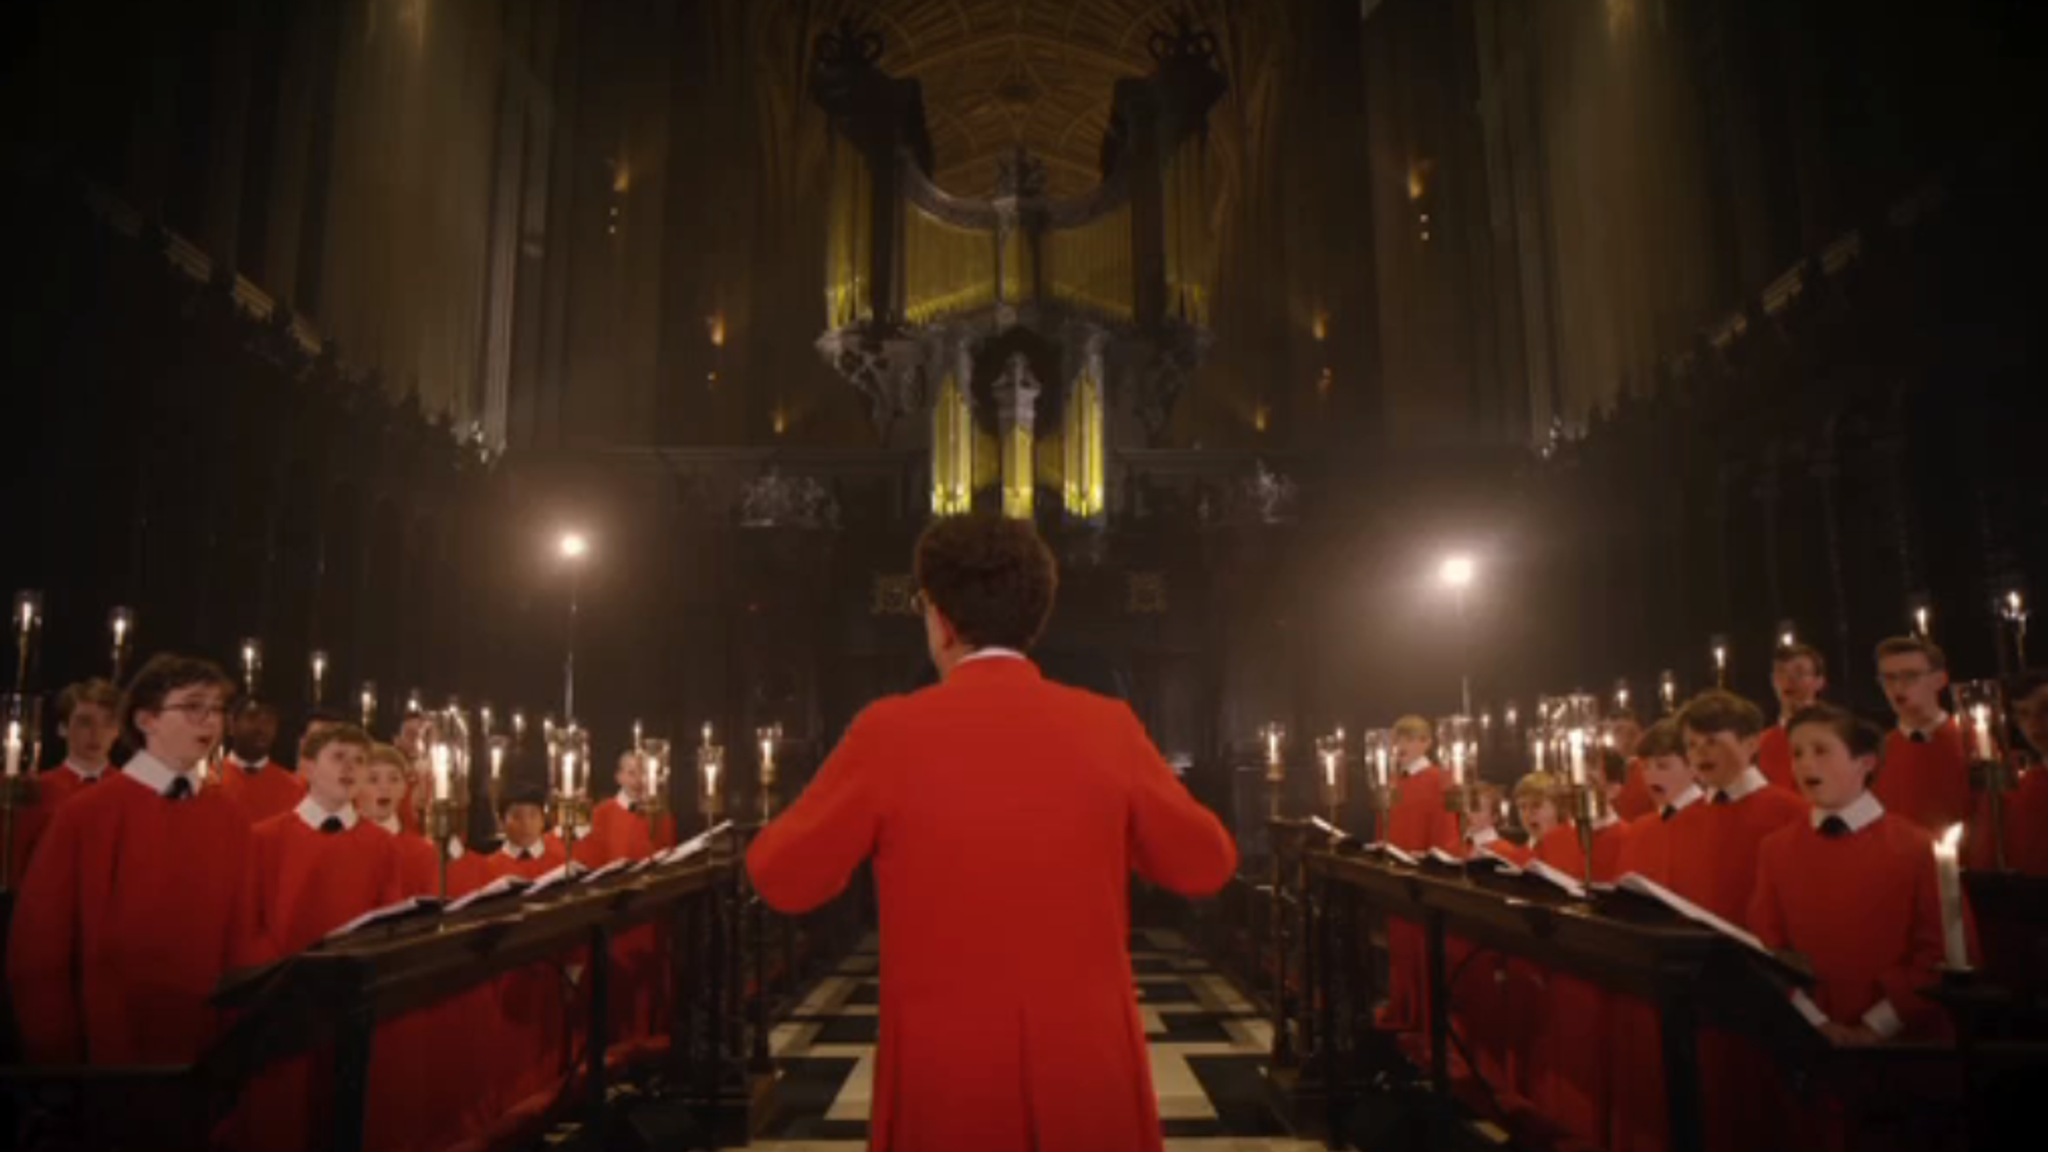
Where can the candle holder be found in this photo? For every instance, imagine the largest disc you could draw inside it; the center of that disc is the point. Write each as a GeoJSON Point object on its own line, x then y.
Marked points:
{"type": "Point", "coordinates": [1621, 695]}
{"type": "Point", "coordinates": [710, 775]}
{"type": "Point", "coordinates": [1459, 751]}
{"type": "Point", "coordinates": [121, 623]}
{"type": "Point", "coordinates": [497, 750]}
{"type": "Point", "coordinates": [767, 738]}
{"type": "Point", "coordinates": [654, 761]}
{"type": "Point", "coordinates": [569, 780]}
{"type": "Point", "coordinates": [1273, 737]}
{"type": "Point", "coordinates": [448, 752]}
{"type": "Point", "coordinates": [1981, 721]}
{"type": "Point", "coordinates": [28, 622]}
{"type": "Point", "coordinates": [21, 744]}
{"type": "Point", "coordinates": [366, 700]}
{"type": "Point", "coordinates": [1330, 755]}
{"type": "Point", "coordinates": [1588, 805]}
{"type": "Point", "coordinates": [1378, 753]}
{"type": "Point", "coordinates": [2012, 608]}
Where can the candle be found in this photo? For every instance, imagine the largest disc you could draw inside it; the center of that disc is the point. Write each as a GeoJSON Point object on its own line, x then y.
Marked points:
{"type": "Point", "coordinates": [710, 775]}
{"type": "Point", "coordinates": [568, 773]}
{"type": "Point", "coordinates": [1980, 733]}
{"type": "Point", "coordinates": [1955, 946]}
{"type": "Point", "coordinates": [439, 757]}
{"type": "Point", "coordinates": [1272, 747]}
{"type": "Point", "coordinates": [1575, 742]}
{"type": "Point", "coordinates": [1537, 747]}
{"type": "Point", "coordinates": [1330, 767]}
{"type": "Point", "coordinates": [1920, 621]}
{"type": "Point", "coordinates": [483, 716]}
{"type": "Point", "coordinates": [13, 748]}
{"type": "Point", "coordinates": [121, 619]}
{"type": "Point", "coordinates": [497, 762]}
{"type": "Point", "coordinates": [1458, 763]}
{"type": "Point", "coordinates": [1382, 762]}
{"type": "Point", "coordinates": [319, 662]}
{"type": "Point", "coordinates": [636, 734]}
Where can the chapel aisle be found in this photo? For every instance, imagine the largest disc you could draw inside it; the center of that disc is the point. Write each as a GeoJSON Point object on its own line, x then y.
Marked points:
{"type": "Point", "coordinates": [1207, 1045]}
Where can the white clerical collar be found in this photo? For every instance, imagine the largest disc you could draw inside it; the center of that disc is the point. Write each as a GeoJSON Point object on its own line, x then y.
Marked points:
{"type": "Point", "coordinates": [1922, 734]}
{"type": "Point", "coordinates": [530, 852]}
{"type": "Point", "coordinates": [1481, 837]}
{"type": "Point", "coordinates": [1858, 814]}
{"type": "Point", "coordinates": [1684, 800]}
{"type": "Point", "coordinates": [1414, 766]}
{"type": "Point", "coordinates": [158, 776]}
{"type": "Point", "coordinates": [310, 811]}
{"type": "Point", "coordinates": [248, 765]}
{"type": "Point", "coordinates": [84, 773]}
{"type": "Point", "coordinates": [1750, 781]}
{"type": "Point", "coordinates": [989, 653]}
{"type": "Point", "coordinates": [390, 824]}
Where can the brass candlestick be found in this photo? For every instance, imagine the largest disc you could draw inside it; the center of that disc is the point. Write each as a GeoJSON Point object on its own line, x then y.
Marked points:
{"type": "Point", "coordinates": [654, 756]}
{"type": "Point", "coordinates": [1981, 719]}
{"type": "Point", "coordinates": [1335, 789]}
{"type": "Point", "coordinates": [441, 824]}
{"type": "Point", "coordinates": [569, 761]}
{"type": "Point", "coordinates": [710, 776]}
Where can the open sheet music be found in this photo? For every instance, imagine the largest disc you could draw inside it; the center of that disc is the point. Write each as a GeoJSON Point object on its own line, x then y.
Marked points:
{"type": "Point", "coordinates": [1644, 886]}
{"type": "Point", "coordinates": [410, 906]}
{"type": "Point", "coordinates": [503, 886]}
{"type": "Point", "coordinates": [695, 844]}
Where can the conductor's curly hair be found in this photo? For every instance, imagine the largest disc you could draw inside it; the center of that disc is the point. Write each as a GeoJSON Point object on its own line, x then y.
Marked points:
{"type": "Point", "coordinates": [990, 576]}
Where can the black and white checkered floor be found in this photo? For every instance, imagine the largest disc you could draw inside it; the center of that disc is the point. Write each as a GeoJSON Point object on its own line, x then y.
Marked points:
{"type": "Point", "coordinates": [1207, 1043]}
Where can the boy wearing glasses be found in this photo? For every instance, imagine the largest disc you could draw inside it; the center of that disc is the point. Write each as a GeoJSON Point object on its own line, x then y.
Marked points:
{"type": "Point", "coordinates": [1798, 674]}
{"type": "Point", "coordinates": [1926, 776]}
{"type": "Point", "coordinates": [117, 969]}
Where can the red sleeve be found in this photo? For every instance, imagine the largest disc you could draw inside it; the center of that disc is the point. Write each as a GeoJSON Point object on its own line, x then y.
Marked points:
{"type": "Point", "coordinates": [1766, 915]}
{"type": "Point", "coordinates": [41, 962]}
{"type": "Point", "coordinates": [805, 856]}
{"type": "Point", "coordinates": [1920, 966]}
{"type": "Point", "coordinates": [1176, 842]}
{"type": "Point", "coordinates": [262, 928]}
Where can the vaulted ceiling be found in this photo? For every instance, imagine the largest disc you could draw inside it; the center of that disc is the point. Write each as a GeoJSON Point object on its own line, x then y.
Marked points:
{"type": "Point", "coordinates": [999, 73]}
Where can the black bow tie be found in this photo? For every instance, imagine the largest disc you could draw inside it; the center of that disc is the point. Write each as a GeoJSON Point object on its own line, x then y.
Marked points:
{"type": "Point", "coordinates": [180, 789]}
{"type": "Point", "coordinates": [1834, 826]}
{"type": "Point", "coordinates": [1917, 737]}
{"type": "Point", "coordinates": [331, 825]}
{"type": "Point", "coordinates": [1723, 798]}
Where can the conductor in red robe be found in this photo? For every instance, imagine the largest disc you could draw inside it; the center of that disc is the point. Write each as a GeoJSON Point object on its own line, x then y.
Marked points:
{"type": "Point", "coordinates": [1004, 814]}
{"type": "Point", "coordinates": [135, 902]}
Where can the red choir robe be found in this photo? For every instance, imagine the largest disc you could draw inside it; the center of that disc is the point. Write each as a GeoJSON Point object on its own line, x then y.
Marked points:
{"type": "Point", "coordinates": [1005, 814]}
{"type": "Point", "coordinates": [1926, 780]}
{"type": "Point", "coordinates": [1774, 758]}
{"type": "Point", "coordinates": [52, 789]}
{"type": "Point", "coordinates": [1713, 864]}
{"type": "Point", "coordinates": [1479, 1009]}
{"type": "Point", "coordinates": [261, 793]}
{"type": "Point", "coordinates": [1417, 821]}
{"type": "Point", "coordinates": [304, 883]}
{"type": "Point", "coordinates": [1568, 1074]}
{"type": "Point", "coordinates": [1864, 908]}
{"type": "Point", "coordinates": [532, 1000]}
{"type": "Point", "coordinates": [134, 908]}
{"type": "Point", "coordinates": [638, 1005]}
{"type": "Point", "coordinates": [1634, 799]}
{"type": "Point", "coordinates": [1640, 1122]}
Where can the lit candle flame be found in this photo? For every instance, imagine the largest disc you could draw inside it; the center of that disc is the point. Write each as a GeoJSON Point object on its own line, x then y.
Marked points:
{"type": "Point", "coordinates": [13, 748]}
{"type": "Point", "coordinates": [1948, 877]}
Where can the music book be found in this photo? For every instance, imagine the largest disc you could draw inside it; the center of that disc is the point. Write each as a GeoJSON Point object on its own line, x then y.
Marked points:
{"type": "Point", "coordinates": [1400, 854]}
{"type": "Point", "coordinates": [1335, 833]}
{"type": "Point", "coordinates": [410, 906]}
{"type": "Point", "coordinates": [695, 844]}
{"type": "Point", "coordinates": [503, 886]}
{"type": "Point", "coordinates": [1563, 880]}
{"type": "Point", "coordinates": [619, 865]}
{"type": "Point", "coordinates": [1443, 857]}
{"type": "Point", "coordinates": [1642, 885]}
{"type": "Point", "coordinates": [560, 874]}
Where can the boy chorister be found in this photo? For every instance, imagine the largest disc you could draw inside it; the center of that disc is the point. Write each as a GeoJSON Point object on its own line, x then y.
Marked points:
{"type": "Point", "coordinates": [620, 826]}
{"type": "Point", "coordinates": [1713, 858]}
{"type": "Point", "coordinates": [1626, 793]}
{"type": "Point", "coordinates": [1713, 864]}
{"type": "Point", "coordinates": [136, 903]}
{"type": "Point", "coordinates": [89, 717]}
{"type": "Point", "coordinates": [320, 864]}
{"type": "Point", "coordinates": [1799, 673]}
{"type": "Point", "coordinates": [529, 851]}
{"type": "Point", "coordinates": [1673, 788]}
{"type": "Point", "coordinates": [1853, 889]}
{"type": "Point", "coordinates": [2026, 807]}
{"type": "Point", "coordinates": [1482, 825]}
{"type": "Point", "coordinates": [379, 792]}
{"type": "Point", "coordinates": [1926, 776]}
{"type": "Point", "coordinates": [313, 868]}
{"type": "Point", "coordinates": [259, 786]}
{"type": "Point", "coordinates": [1417, 821]}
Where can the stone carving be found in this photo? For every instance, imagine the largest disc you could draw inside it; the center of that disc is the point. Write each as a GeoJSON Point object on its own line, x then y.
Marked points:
{"type": "Point", "coordinates": [887, 373]}
{"type": "Point", "coordinates": [773, 500]}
